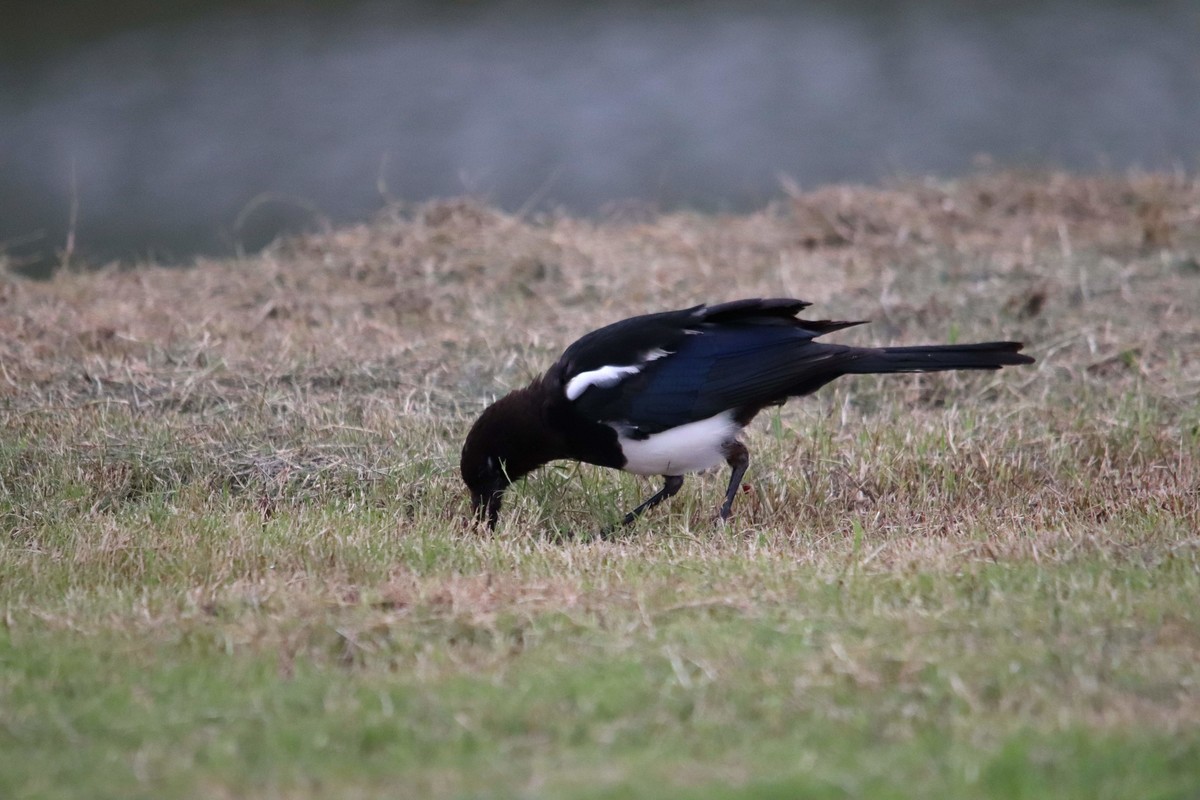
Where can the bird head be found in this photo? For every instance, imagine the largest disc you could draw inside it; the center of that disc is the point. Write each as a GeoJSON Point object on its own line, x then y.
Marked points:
{"type": "Point", "coordinates": [506, 442]}
{"type": "Point", "coordinates": [486, 479]}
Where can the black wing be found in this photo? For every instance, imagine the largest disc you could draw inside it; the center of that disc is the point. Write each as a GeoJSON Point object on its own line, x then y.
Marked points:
{"type": "Point", "coordinates": [691, 364]}
{"type": "Point", "coordinates": [626, 342]}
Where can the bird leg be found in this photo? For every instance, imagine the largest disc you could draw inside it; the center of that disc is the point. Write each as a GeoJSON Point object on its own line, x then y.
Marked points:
{"type": "Point", "coordinates": [672, 486]}
{"type": "Point", "coordinates": [737, 457]}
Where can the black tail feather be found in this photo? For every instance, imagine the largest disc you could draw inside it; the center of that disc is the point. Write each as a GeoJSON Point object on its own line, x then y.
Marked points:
{"type": "Point", "coordinates": [938, 358]}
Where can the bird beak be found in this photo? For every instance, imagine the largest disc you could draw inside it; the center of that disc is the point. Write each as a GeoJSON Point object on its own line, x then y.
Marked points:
{"type": "Point", "coordinates": [486, 506]}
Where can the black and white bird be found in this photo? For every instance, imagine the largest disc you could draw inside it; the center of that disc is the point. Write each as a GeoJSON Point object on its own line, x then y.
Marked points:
{"type": "Point", "coordinates": [667, 394]}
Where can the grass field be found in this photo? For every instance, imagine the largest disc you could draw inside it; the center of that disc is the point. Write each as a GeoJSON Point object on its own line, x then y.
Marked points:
{"type": "Point", "coordinates": [233, 561]}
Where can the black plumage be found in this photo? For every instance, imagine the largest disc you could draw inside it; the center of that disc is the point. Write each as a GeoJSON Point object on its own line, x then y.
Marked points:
{"type": "Point", "coordinates": [668, 393]}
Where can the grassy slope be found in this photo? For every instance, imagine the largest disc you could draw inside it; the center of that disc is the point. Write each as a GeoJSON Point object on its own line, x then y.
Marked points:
{"type": "Point", "coordinates": [232, 561]}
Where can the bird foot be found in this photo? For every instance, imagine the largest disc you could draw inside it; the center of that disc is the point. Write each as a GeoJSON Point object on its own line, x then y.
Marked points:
{"type": "Point", "coordinates": [726, 509]}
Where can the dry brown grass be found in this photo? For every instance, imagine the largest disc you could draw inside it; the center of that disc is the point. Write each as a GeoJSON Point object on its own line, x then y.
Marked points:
{"type": "Point", "coordinates": [1069, 256]}
{"type": "Point", "coordinates": [427, 311]}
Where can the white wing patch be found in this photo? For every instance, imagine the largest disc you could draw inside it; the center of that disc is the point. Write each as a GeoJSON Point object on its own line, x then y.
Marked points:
{"type": "Point", "coordinates": [609, 375]}
{"type": "Point", "coordinates": [605, 376]}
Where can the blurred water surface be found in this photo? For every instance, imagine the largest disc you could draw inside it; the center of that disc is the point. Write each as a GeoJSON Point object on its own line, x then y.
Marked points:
{"type": "Point", "coordinates": [194, 127]}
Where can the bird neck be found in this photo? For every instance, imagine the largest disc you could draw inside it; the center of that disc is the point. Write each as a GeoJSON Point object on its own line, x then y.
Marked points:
{"type": "Point", "coordinates": [521, 432]}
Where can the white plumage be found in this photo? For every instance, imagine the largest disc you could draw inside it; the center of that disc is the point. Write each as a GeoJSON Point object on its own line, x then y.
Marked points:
{"type": "Point", "coordinates": [609, 375]}
{"type": "Point", "coordinates": [686, 448]}
{"type": "Point", "coordinates": [605, 376]}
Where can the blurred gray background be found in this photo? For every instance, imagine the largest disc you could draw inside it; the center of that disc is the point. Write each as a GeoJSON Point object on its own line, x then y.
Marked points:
{"type": "Point", "coordinates": [185, 127]}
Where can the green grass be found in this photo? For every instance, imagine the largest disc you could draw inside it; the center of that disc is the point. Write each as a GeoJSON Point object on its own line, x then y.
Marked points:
{"type": "Point", "coordinates": [234, 562]}
{"type": "Point", "coordinates": [754, 676]}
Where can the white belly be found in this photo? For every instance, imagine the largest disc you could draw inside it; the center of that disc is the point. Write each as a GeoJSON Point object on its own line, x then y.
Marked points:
{"type": "Point", "coordinates": [689, 448]}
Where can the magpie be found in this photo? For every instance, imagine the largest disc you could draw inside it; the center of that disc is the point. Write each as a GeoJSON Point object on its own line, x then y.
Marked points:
{"type": "Point", "coordinates": [668, 393]}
